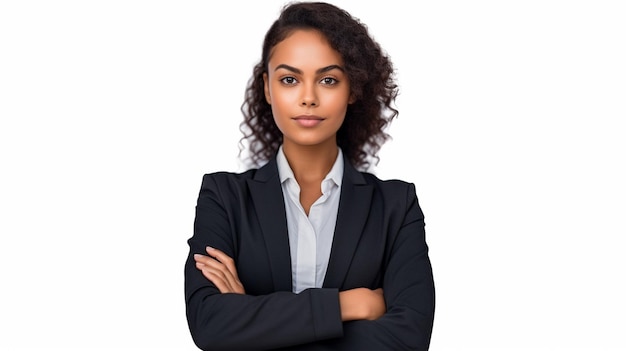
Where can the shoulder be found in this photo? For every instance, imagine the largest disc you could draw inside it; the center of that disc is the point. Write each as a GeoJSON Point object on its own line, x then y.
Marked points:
{"type": "Point", "coordinates": [226, 179]}
{"type": "Point", "coordinates": [225, 189]}
{"type": "Point", "coordinates": [394, 193]}
{"type": "Point", "coordinates": [388, 185]}
{"type": "Point", "coordinates": [267, 172]}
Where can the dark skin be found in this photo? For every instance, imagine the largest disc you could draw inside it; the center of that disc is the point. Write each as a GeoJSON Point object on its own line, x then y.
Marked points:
{"type": "Point", "coordinates": [309, 93]}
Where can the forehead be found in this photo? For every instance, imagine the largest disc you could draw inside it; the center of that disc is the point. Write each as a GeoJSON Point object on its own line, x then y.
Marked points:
{"type": "Point", "coordinates": [305, 47]}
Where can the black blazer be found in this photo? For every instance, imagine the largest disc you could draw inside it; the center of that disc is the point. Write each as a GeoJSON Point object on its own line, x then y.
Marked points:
{"type": "Point", "coordinates": [378, 242]}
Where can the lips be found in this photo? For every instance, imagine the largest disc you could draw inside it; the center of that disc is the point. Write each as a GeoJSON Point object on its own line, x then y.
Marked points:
{"type": "Point", "coordinates": [308, 120]}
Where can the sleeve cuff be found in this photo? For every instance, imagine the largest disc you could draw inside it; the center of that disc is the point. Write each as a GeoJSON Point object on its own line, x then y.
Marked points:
{"type": "Point", "coordinates": [326, 313]}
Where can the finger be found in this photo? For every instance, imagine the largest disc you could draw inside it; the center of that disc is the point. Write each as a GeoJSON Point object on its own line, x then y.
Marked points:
{"type": "Point", "coordinates": [226, 265]}
{"type": "Point", "coordinates": [221, 271]}
{"type": "Point", "coordinates": [216, 276]}
{"type": "Point", "coordinates": [208, 260]}
{"type": "Point", "coordinates": [215, 266]}
{"type": "Point", "coordinates": [216, 263]}
{"type": "Point", "coordinates": [213, 262]}
{"type": "Point", "coordinates": [224, 258]}
{"type": "Point", "coordinates": [203, 258]}
{"type": "Point", "coordinates": [221, 284]}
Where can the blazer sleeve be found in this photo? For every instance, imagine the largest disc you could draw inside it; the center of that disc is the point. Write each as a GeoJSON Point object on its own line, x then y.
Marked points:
{"type": "Point", "coordinates": [245, 322]}
{"type": "Point", "coordinates": [409, 295]}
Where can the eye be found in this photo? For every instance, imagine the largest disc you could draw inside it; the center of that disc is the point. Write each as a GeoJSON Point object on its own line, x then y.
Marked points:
{"type": "Point", "coordinates": [289, 80]}
{"type": "Point", "coordinates": [329, 81]}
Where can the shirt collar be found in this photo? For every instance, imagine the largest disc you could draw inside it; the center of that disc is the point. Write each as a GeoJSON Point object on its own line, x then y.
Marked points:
{"type": "Point", "coordinates": [285, 172]}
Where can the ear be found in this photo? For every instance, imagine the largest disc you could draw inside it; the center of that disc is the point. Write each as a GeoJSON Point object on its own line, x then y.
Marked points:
{"type": "Point", "coordinates": [351, 100]}
{"type": "Point", "coordinates": [266, 88]}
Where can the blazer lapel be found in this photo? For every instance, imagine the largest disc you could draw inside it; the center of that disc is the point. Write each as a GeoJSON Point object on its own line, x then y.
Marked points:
{"type": "Point", "coordinates": [267, 196]}
{"type": "Point", "coordinates": [354, 205]}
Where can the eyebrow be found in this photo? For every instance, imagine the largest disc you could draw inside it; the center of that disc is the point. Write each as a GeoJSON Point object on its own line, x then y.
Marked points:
{"type": "Point", "coordinates": [298, 71]}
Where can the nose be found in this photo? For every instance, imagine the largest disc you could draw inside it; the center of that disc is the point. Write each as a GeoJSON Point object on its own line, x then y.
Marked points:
{"type": "Point", "coordinates": [309, 96]}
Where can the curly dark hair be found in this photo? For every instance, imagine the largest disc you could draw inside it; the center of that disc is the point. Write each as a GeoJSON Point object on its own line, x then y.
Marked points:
{"type": "Point", "coordinates": [370, 72]}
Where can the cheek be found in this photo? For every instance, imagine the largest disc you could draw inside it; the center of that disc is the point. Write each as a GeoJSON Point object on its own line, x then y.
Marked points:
{"type": "Point", "coordinates": [280, 113]}
{"type": "Point", "coordinates": [340, 121]}
{"type": "Point", "coordinates": [282, 98]}
{"type": "Point", "coordinates": [339, 104]}
{"type": "Point", "coordinates": [339, 99]}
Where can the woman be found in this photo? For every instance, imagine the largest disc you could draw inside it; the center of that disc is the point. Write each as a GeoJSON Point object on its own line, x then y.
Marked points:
{"type": "Point", "coordinates": [307, 252]}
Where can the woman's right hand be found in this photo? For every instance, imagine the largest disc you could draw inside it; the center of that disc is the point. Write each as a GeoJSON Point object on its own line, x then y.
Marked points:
{"type": "Point", "coordinates": [361, 303]}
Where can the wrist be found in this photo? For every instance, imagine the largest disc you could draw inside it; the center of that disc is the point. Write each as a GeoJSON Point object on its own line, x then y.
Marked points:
{"type": "Point", "coordinates": [351, 305]}
{"type": "Point", "coordinates": [344, 306]}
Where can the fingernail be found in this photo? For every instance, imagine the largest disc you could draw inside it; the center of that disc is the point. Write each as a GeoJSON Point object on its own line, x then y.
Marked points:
{"type": "Point", "coordinates": [208, 248]}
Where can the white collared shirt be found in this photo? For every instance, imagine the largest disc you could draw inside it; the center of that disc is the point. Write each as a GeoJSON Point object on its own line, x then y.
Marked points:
{"type": "Point", "coordinates": [310, 238]}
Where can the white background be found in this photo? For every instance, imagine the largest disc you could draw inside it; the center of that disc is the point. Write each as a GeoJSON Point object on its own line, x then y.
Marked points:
{"type": "Point", "coordinates": [511, 126]}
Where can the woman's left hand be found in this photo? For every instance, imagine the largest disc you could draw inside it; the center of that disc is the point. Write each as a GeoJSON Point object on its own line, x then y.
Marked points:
{"type": "Point", "coordinates": [220, 269]}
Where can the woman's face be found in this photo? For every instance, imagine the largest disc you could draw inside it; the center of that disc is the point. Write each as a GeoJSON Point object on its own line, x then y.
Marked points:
{"type": "Point", "coordinates": [308, 89]}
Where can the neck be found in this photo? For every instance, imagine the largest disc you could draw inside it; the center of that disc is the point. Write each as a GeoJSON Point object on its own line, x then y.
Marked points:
{"type": "Point", "coordinates": [310, 163]}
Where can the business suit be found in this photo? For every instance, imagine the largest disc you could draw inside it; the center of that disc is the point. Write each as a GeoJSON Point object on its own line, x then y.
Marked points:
{"type": "Point", "coordinates": [378, 242]}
